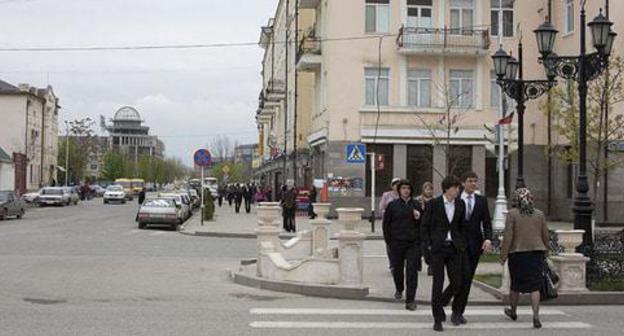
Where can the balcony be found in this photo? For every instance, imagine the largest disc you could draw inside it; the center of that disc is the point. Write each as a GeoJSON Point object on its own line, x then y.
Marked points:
{"type": "Point", "coordinates": [309, 4]}
{"type": "Point", "coordinates": [274, 92]}
{"type": "Point", "coordinates": [438, 41]}
{"type": "Point", "coordinates": [309, 53]}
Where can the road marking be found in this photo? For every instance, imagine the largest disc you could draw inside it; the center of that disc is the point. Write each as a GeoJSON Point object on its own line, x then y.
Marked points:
{"type": "Point", "coordinates": [409, 325]}
{"type": "Point", "coordinates": [157, 233]}
{"type": "Point", "coordinates": [391, 312]}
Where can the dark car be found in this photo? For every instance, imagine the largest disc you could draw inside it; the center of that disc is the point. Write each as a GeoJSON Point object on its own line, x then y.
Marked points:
{"type": "Point", "coordinates": [11, 205]}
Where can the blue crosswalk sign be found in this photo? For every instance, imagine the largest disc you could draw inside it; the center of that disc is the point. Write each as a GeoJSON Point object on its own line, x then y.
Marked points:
{"type": "Point", "coordinates": [355, 153]}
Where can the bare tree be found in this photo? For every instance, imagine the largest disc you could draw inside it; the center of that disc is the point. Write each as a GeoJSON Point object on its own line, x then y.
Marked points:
{"type": "Point", "coordinates": [222, 147]}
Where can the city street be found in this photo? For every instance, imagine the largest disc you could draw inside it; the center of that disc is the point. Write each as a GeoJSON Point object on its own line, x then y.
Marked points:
{"type": "Point", "coordinates": [87, 270]}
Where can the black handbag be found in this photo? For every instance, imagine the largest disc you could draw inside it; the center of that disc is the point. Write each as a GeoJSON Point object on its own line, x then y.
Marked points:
{"type": "Point", "coordinates": [548, 291]}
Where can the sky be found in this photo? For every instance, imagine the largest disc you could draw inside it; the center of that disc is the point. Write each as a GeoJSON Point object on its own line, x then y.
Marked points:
{"type": "Point", "coordinates": [186, 96]}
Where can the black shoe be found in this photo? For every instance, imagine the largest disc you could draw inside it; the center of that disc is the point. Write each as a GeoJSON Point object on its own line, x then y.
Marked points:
{"type": "Point", "coordinates": [462, 319]}
{"type": "Point", "coordinates": [398, 295]}
{"type": "Point", "coordinates": [536, 323]}
{"type": "Point", "coordinates": [429, 271]}
{"type": "Point", "coordinates": [511, 314]}
{"type": "Point", "coordinates": [411, 306]}
{"type": "Point", "coordinates": [455, 319]}
{"type": "Point", "coordinates": [437, 326]}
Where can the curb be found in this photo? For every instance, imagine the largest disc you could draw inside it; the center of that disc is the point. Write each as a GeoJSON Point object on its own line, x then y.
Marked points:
{"type": "Point", "coordinates": [565, 299]}
{"type": "Point", "coordinates": [242, 235]}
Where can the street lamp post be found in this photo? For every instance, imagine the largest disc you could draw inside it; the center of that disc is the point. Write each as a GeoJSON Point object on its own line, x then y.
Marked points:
{"type": "Point", "coordinates": [66, 154]}
{"type": "Point", "coordinates": [581, 68]}
{"type": "Point", "coordinates": [520, 90]}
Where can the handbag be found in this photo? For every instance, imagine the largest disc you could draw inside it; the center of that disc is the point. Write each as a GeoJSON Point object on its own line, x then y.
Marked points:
{"type": "Point", "coordinates": [548, 291]}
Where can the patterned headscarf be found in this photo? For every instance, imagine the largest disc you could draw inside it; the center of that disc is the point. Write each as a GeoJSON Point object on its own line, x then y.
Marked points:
{"type": "Point", "coordinates": [523, 200]}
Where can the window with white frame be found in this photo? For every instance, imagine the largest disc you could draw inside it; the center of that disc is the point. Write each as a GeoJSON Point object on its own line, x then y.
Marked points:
{"type": "Point", "coordinates": [377, 79]}
{"type": "Point", "coordinates": [461, 88]}
{"type": "Point", "coordinates": [419, 13]}
{"type": "Point", "coordinates": [377, 16]}
{"type": "Point", "coordinates": [419, 87]}
{"type": "Point", "coordinates": [462, 16]}
{"type": "Point", "coordinates": [507, 10]}
{"type": "Point", "coordinates": [568, 8]}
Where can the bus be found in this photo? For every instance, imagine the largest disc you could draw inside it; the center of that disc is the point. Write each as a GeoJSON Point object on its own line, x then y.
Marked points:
{"type": "Point", "coordinates": [127, 185]}
{"type": "Point", "coordinates": [137, 185]}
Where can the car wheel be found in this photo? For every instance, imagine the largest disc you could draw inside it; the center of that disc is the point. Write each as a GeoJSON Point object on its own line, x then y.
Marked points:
{"type": "Point", "coordinates": [123, 202]}
{"type": "Point", "coordinates": [105, 202]}
{"type": "Point", "coordinates": [142, 226]}
{"type": "Point", "coordinates": [3, 214]}
{"type": "Point", "coordinates": [20, 215]}
{"type": "Point", "coordinates": [174, 227]}
{"type": "Point", "coordinates": [75, 202]}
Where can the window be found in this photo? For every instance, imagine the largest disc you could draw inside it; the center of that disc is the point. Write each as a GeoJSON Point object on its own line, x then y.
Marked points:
{"type": "Point", "coordinates": [568, 8]}
{"type": "Point", "coordinates": [377, 16]}
{"type": "Point", "coordinates": [461, 91]}
{"type": "Point", "coordinates": [383, 177]}
{"type": "Point", "coordinates": [419, 88]}
{"type": "Point", "coordinates": [419, 13]}
{"type": "Point", "coordinates": [419, 166]}
{"type": "Point", "coordinates": [462, 16]}
{"type": "Point", "coordinates": [377, 79]}
{"type": "Point", "coordinates": [507, 9]}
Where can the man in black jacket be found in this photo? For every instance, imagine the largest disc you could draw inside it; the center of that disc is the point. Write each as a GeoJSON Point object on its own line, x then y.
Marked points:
{"type": "Point", "coordinates": [478, 239]}
{"type": "Point", "coordinates": [401, 230]}
{"type": "Point", "coordinates": [444, 233]}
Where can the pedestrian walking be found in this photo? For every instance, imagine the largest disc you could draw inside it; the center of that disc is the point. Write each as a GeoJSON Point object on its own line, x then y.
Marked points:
{"type": "Point", "coordinates": [230, 194]}
{"type": "Point", "coordinates": [247, 196]}
{"type": "Point", "coordinates": [478, 240]}
{"type": "Point", "coordinates": [312, 199]}
{"type": "Point", "coordinates": [141, 196]}
{"type": "Point", "coordinates": [425, 196]}
{"type": "Point", "coordinates": [238, 197]}
{"type": "Point", "coordinates": [289, 207]}
{"type": "Point", "coordinates": [386, 198]}
{"type": "Point", "coordinates": [401, 231]}
{"type": "Point", "coordinates": [220, 194]}
{"type": "Point", "coordinates": [525, 243]}
{"type": "Point", "coordinates": [444, 234]}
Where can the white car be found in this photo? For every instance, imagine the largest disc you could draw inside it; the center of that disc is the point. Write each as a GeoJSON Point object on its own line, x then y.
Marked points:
{"type": "Point", "coordinates": [54, 196]}
{"type": "Point", "coordinates": [30, 197]}
{"type": "Point", "coordinates": [159, 211]}
{"type": "Point", "coordinates": [185, 207]}
{"type": "Point", "coordinates": [114, 193]}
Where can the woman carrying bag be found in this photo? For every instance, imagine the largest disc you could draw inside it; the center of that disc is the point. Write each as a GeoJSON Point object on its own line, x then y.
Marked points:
{"type": "Point", "coordinates": [525, 244]}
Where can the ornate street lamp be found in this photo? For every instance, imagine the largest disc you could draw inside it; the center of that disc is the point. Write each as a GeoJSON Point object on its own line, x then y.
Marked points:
{"type": "Point", "coordinates": [507, 69]}
{"type": "Point", "coordinates": [581, 68]}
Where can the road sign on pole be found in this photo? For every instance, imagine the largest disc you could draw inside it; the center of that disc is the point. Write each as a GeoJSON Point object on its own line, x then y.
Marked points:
{"type": "Point", "coordinates": [355, 153]}
{"type": "Point", "coordinates": [202, 158]}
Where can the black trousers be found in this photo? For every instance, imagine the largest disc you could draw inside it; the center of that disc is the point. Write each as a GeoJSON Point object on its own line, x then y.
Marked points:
{"type": "Point", "coordinates": [220, 200]}
{"type": "Point", "coordinates": [405, 260]}
{"type": "Point", "coordinates": [237, 205]}
{"type": "Point", "coordinates": [469, 267]}
{"type": "Point", "coordinates": [447, 257]}
{"type": "Point", "coordinates": [247, 205]}
{"type": "Point", "coordinates": [289, 220]}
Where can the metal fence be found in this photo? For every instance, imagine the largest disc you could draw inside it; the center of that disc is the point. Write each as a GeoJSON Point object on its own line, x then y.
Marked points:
{"type": "Point", "coordinates": [443, 38]}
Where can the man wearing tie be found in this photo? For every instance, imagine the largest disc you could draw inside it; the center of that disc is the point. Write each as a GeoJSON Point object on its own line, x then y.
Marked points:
{"type": "Point", "coordinates": [478, 240]}
{"type": "Point", "coordinates": [444, 233]}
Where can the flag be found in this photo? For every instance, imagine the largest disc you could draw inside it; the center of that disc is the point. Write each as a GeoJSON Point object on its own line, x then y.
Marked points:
{"type": "Point", "coordinates": [507, 120]}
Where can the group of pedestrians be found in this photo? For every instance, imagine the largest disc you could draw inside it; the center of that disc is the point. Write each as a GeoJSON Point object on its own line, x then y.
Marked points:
{"type": "Point", "coordinates": [237, 194]}
{"type": "Point", "coordinates": [451, 232]}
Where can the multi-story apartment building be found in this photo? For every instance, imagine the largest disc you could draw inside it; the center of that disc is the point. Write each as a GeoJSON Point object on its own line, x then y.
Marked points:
{"type": "Point", "coordinates": [413, 80]}
{"type": "Point", "coordinates": [28, 133]}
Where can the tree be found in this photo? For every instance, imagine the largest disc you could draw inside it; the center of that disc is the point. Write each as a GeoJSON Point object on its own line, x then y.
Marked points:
{"type": "Point", "coordinates": [115, 166]}
{"type": "Point", "coordinates": [82, 142]}
{"type": "Point", "coordinates": [222, 148]}
{"type": "Point", "coordinates": [236, 173]}
{"type": "Point", "coordinates": [77, 160]}
{"type": "Point", "coordinates": [606, 91]}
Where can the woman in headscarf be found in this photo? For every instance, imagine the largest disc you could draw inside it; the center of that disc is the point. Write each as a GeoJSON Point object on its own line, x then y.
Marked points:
{"type": "Point", "coordinates": [525, 244]}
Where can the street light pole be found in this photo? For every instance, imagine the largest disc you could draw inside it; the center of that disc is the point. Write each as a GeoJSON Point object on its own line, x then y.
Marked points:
{"type": "Point", "coordinates": [501, 201]}
{"type": "Point", "coordinates": [66, 154]}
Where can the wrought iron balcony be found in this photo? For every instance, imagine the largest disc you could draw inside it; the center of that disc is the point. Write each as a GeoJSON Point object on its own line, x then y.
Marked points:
{"type": "Point", "coordinates": [459, 41]}
{"type": "Point", "coordinates": [309, 53]}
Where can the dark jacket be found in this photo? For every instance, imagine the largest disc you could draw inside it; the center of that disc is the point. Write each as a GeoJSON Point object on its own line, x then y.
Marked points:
{"type": "Point", "coordinates": [312, 195]}
{"type": "Point", "coordinates": [479, 226]}
{"type": "Point", "coordinates": [141, 197]}
{"type": "Point", "coordinates": [289, 200]}
{"type": "Point", "coordinates": [435, 225]}
{"type": "Point", "coordinates": [399, 223]}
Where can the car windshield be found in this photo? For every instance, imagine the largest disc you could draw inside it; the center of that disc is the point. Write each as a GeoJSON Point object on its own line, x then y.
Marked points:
{"type": "Point", "coordinates": [114, 188]}
{"type": "Point", "coordinates": [52, 191]}
{"type": "Point", "coordinates": [159, 203]}
{"type": "Point", "coordinates": [4, 196]}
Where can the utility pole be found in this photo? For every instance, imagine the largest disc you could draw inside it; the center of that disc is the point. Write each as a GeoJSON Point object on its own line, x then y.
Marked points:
{"type": "Point", "coordinates": [286, 45]}
{"type": "Point", "coordinates": [295, 135]}
{"type": "Point", "coordinates": [66, 154]}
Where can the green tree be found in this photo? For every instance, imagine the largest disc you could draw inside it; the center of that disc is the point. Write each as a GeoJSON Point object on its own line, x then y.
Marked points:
{"type": "Point", "coordinates": [144, 168]}
{"type": "Point", "coordinates": [77, 160]}
{"type": "Point", "coordinates": [115, 166]}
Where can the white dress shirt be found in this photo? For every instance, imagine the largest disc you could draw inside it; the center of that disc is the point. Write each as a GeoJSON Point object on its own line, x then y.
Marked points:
{"type": "Point", "coordinates": [449, 207]}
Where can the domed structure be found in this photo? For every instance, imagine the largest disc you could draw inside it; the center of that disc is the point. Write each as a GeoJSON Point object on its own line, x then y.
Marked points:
{"type": "Point", "coordinates": [127, 113]}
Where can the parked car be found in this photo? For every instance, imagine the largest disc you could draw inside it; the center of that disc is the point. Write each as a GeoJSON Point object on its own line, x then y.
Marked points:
{"type": "Point", "coordinates": [98, 191]}
{"type": "Point", "coordinates": [195, 198]}
{"type": "Point", "coordinates": [185, 208]}
{"type": "Point", "coordinates": [31, 197]}
{"type": "Point", "coordinates": [115, 193]}
{"type": "Point", "coordinates": [161, 210]}
{"type": "Point", "coordinates": [54, 196]}
{"type": "Point", "coordinates": [74, 194]}
{"type": "Point", "coordinates": [11, 205]}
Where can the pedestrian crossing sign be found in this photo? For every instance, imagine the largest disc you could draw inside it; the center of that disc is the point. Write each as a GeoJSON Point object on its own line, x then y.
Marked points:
{"type": "Point", "coordinates": [355, 153]}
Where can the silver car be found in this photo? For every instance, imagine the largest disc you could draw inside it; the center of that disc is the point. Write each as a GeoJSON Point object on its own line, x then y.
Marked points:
{"type": "Point", "coordinates": [11, 205]}
{"type": "Point", "coordinates": [54, 196]}
{"type": "Point", "coordinates": [73, 195]}
{"type": "Point", "coordinates": [185, 206]}
{"type": "Point", "coordinates": [115, 193]}
{"type": "Point", "coordinates": [162, 210]}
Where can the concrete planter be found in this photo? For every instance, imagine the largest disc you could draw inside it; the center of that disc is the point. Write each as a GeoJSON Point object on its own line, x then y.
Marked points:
{"type": "Point", "coordinates": [349, 217]}
{"type": "Point", "coordinates": [321, 209]}
{"type": "Point", "coordinates": [267, 215]}
{"type": "Point", "coordinates": [570, 239]}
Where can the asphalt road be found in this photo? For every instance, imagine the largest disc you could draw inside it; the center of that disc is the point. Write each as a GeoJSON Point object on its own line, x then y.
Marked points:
{"type": "Point", "coordinates": [88, 270]}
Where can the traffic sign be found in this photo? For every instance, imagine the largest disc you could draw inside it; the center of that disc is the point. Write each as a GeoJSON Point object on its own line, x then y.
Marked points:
{"type": "Point", "coordinates": [355, 153]}
{"type": "Point", "coordinates": [225, 170]}
{"type": "Point", "coordinates": [202, 157]}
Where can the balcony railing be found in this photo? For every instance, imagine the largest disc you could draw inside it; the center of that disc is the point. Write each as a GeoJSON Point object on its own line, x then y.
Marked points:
{"type": "Point", "coordinates": [308, 53]}
{"type": "Point", "coordinates": [443, 40]}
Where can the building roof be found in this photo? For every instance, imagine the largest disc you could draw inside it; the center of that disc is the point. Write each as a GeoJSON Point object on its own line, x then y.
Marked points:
{"type": "Point", "coordinates": [4, 157]}
{"type": "Point", "coordinates": [6, 87]}
{"type": "Point", "coordinates": [127, 113]}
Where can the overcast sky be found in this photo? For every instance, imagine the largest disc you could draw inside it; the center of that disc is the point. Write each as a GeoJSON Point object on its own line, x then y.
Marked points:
{"type": "Point", "coordinates": [187, 96]}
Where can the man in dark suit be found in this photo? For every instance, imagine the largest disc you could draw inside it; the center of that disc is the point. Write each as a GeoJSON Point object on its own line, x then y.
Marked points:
{"type": "Point", "coordinates": [444, 234]}
{"type": "Point", "coordinates": [478, 239]}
